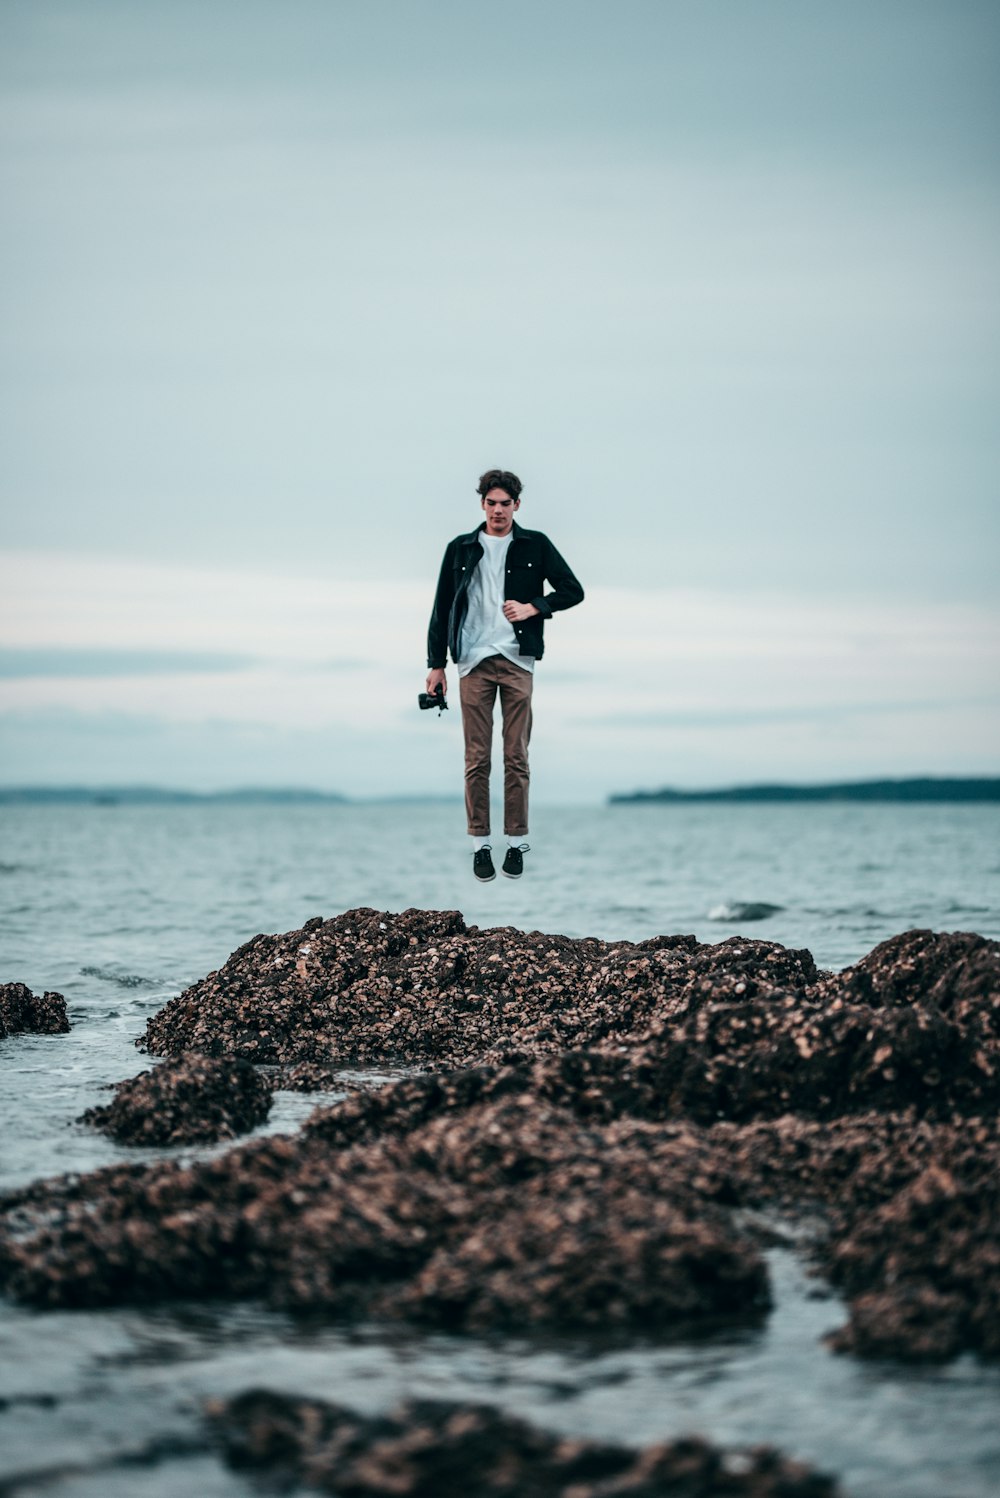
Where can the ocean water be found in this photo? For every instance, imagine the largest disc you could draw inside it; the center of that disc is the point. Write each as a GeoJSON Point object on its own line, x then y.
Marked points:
{"type": "Point", "coordinates": [120, 907]}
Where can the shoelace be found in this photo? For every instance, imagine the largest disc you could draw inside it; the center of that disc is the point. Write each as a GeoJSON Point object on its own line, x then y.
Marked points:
{"type": "Point", "coordinates": [519, 847]}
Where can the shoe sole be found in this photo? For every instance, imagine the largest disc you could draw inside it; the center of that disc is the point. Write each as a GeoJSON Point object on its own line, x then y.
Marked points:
{"type": "Point", "coordinates": [510, 876]}
{"type": "Point", "coordinates": [485, 878]}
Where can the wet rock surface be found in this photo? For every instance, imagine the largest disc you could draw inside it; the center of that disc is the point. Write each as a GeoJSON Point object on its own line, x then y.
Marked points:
{"type": "Point", "coordinates": [923, 1268]}
{"type": "Point", "coordinates": [308, 1076]}
{"type": "Point", "coordinates": [25, 1013]}
{"type": "Point", "coordinates": [190, 1099]}
{"type": "Point", "coordinates": [740, 1029]}
{"type": "Point", "coordinates": [505, 1214]}
{"type": "Point", "coordinates": [631, 1102]}
{"type": "Point", "coordinates": [422, 989]}
{"type": "Point", "coordinates": [437, 1449]}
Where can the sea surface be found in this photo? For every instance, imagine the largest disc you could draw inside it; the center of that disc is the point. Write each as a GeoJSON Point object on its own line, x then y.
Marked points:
{"type": "Point", "coordinates": [120, 907]}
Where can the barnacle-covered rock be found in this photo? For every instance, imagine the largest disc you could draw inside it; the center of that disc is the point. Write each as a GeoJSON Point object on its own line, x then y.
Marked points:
{"type": "Point", "coordinates": [509, 1212]}
{"type": "Point", "coordinates": [423, 989]}
{"type": "Point", "coordinates": [441, 1449]}
{"type": "Point", "coordinates": [625, 1101]}
{"type": "Point", "coordinates": [25, 1013]}
{"type": "Point", "coordinates": [923, 1267]}
{"type": "Point", "coordinates": [190, 1099]}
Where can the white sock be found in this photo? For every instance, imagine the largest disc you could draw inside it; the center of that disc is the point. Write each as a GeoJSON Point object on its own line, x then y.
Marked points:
{"type": "Point", "coordinates": [481, 842]}
{"type": "Point", "coordinates": [516, 842]}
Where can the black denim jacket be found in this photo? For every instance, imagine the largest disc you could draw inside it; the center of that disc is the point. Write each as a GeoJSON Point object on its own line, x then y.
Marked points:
{"type": "Point", "coordinates": [532, 561]}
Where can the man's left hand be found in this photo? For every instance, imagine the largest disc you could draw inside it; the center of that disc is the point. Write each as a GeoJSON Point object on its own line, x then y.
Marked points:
{"type": "Point", "coordinates": [515, 612]}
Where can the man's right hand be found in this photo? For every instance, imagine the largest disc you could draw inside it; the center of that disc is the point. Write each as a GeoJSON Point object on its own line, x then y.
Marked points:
{"type": "Point", "coordinates": [435, 679]}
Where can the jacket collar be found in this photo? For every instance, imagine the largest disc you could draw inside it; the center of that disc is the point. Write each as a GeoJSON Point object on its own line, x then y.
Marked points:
{"type": "Point", "coordinates": [472, 539]}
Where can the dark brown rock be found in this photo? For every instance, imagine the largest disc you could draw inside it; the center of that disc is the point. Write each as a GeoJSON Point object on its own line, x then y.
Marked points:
{"type": "Point", "coordinates": [957, 973]}
{"type": "Point", "coordinates": [190, 1099]}
{"type": "Point", "coordinates": [438, 1449]}
{"type": "Point", "coordinates": [784, 1053]}
{"type": "Point", "coordinates": [472, 1199]}
{"type": "Point", "coordinates": [25, 1013]}
{"type": "Point", "coordinates": [505, 1213]}
{"type": "Point", "coordinates": [308, 1076]}
{"type": "Point", "coordinates": [631, 1098]}
{"type": "Point", "coordinates": [923, 1268]}
{"type": "Point", "coordinates": [422, 989]}
{"type": "Point", "coordinates": [743, 1029]}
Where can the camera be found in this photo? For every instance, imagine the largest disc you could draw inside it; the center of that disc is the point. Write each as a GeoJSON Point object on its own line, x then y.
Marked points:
{"type": "Point", "coordinates": [432, 699]}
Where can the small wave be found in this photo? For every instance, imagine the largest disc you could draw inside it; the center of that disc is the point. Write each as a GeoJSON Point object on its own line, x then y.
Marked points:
{"type": "Point", "coordinates": [123, 980]}
{"type": "Point", "coordinates": [743, 910]}
{"type": "Point", "coordinates": [11, 868]}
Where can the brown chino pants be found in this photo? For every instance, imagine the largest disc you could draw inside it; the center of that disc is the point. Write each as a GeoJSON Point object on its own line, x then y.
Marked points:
{"type": "Point", "coordinates": [478, 692]}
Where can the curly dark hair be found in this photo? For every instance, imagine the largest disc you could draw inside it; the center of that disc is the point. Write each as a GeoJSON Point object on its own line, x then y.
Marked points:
{"type": "Point", "coordinates": [500, 478]}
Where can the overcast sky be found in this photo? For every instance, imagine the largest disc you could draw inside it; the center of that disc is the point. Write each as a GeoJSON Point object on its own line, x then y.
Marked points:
{"type": "Point", "coordinates": [281, 277]}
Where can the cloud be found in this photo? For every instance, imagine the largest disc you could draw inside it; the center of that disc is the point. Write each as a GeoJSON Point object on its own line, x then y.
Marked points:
{"type": "Point", "coordinates": [639, 686]}
{"type": "Point", "coordinates": [69, 661]}
{"type": "Point", "coordinates": [727, 718]}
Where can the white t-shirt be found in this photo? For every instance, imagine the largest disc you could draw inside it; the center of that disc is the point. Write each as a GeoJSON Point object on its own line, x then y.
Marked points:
{"type": "Point", "coordinates": [485, 631]}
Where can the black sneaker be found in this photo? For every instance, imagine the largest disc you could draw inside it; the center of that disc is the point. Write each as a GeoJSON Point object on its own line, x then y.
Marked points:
{"type": "Point", "coordinates": [513, 864]}
{"type": "Point", "coordinates": [482, 865]}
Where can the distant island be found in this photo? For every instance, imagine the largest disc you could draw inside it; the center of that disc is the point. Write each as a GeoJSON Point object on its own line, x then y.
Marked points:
{"type": "Point", "coordinates": [154, 795]}
{"type": "Point", "coordinates": [925, 788]}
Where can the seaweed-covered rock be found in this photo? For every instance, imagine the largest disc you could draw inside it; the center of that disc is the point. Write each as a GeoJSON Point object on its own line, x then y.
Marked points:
{"type": "Point", "coordinates": [191, 1099]}
{"type": "Point", "coordinates": [911, 1222]}
{"type": "Point", "coordinates": [440, 1449]}
{"type": "Point", "coordinates": [25, 1013]}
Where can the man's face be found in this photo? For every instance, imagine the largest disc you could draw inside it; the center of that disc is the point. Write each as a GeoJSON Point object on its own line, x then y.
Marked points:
{"type": "Point", "coordinates": [499, 509]}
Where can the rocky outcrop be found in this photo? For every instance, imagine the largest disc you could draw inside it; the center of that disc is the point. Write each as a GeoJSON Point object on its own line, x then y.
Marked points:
{"type": "Point", "coordinates": [506, 1213]}
{"type": "Point", "coordinates": [923, 1267]}
{"type": "Point", "coordinates": [435, 1449]}
{"type": "Point", "coordinates": [190, 1099]}
{"type": "Point", "coordinates": [422, 989]}
{"type": "Point", "coordinates": [742, 1029]}
{"type": "Point", "coordinates": [25, 1013]}
{"type": "Point", "coordinates": [593, 1170]}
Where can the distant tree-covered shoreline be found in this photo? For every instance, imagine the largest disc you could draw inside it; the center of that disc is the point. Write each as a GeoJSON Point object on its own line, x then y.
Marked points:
{"type": "Point", "coordinates": [925, 789]}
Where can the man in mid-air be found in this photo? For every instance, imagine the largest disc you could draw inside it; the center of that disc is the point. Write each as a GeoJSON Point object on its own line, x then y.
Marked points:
{"type": "Point", "coordinates": [489, 612]}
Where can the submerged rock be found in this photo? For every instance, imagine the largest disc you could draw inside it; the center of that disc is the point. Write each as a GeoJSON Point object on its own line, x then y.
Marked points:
{"type": "Point", "coordinates": [440, 1449]}
{"type": "Point", "coordinates": [191, 1099]}
{"type": "Point", "coordinates": [25, 1013]}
